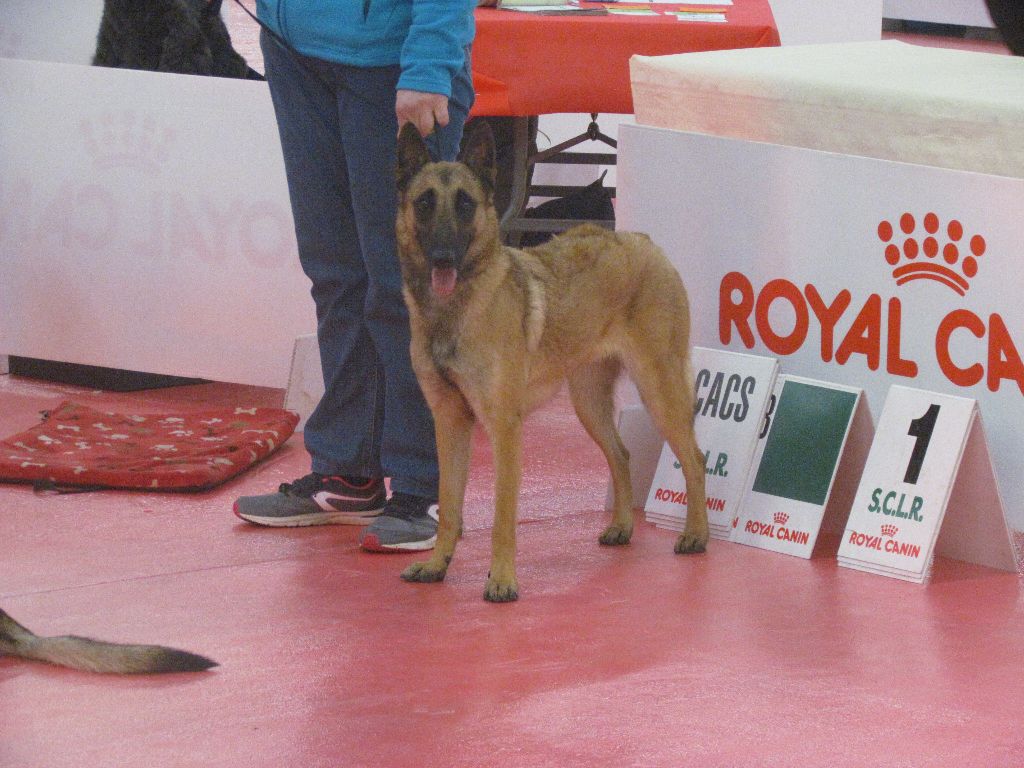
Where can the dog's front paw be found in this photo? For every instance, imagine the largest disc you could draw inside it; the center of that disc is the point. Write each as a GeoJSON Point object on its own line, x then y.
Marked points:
{"type": "Point", "coordinates": [424, 572]}
{"type": "Point", "coordinates": [616, 534]}
{"type": "Point", "coordinates": [690, 544]}
{"type": "Point", "coordinates": [498, 591]}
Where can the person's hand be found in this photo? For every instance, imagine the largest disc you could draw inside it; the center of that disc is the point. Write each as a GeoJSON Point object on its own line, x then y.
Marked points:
{"type": "Point", "coordinates": [421, 109]}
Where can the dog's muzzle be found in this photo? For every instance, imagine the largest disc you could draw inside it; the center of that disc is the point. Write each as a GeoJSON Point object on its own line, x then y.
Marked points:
{"type": "Point", "coordinates": [444, 270]}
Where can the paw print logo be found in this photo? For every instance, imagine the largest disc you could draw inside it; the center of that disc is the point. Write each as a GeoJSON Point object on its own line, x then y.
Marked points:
{"type": "Point", "coordinates": [781, 518]}
{"type": "Point", "coordinates": [926, 250]}
{"type": "Point", "coordinates": [889, 530]}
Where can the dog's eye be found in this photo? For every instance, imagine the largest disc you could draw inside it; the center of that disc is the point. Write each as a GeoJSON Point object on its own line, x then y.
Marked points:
{"type": "Point", "coordinates": [465, 206]}
{"type": "Point", "coordinates": [424, 204]}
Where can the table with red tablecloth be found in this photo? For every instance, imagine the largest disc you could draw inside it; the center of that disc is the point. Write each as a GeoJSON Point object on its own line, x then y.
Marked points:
{"type": "Point", "coordinates": [526, 64]}
{"type": "Point", "coordinates": [529, 64]}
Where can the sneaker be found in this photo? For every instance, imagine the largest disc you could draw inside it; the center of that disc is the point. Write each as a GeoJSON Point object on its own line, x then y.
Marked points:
{"type": "Point", "coordinates": [315, 500]}
{"type": "Point", "coordinates": [407, 524]}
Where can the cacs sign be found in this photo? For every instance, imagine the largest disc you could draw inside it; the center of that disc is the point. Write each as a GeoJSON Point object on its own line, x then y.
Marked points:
{"type": "Point", "coordinates": [781, 314]}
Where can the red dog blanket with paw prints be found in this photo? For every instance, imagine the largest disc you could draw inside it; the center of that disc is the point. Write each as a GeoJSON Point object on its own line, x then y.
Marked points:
{"type": "Point", "coordinates": [75, 446]}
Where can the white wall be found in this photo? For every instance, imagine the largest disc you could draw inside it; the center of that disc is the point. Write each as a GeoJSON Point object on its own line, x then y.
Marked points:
{"type": "Point", "coordinates": [832, 21]}
{"type": "Point", "coordinates": [971, 13]}
{"type": "Point", "coordinates": [49, 30]}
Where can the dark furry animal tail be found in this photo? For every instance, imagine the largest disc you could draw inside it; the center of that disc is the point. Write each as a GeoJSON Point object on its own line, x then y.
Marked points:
{"type": "Point", "coordinates": [94, 655]}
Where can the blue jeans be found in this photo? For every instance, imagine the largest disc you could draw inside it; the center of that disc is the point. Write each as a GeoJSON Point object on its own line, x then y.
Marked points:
{"type": "Point", "coordinates": [338, 135]}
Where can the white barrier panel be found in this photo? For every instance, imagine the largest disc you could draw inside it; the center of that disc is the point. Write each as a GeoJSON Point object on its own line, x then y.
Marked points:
{"type": "Point", "coordinates": [145, 224]}
{"type": "Point", "coordinates": [859, 271]}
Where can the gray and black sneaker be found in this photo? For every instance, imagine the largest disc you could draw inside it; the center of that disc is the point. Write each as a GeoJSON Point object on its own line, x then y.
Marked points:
{"type": "Point", "coordinates": [407, 524]}
{"type": "Point", "coordinates": [315, 500]}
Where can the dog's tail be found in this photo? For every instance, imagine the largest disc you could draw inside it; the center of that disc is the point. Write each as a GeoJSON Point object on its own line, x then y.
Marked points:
{"type": "Point", "coordinates": [95, 655]}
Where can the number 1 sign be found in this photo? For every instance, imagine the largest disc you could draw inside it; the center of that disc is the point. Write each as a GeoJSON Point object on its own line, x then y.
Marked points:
{"type": "Point", "coordinates": [928, 469]}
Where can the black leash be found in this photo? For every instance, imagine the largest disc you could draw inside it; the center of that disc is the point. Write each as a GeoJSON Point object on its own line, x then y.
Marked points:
{"type": "Point", "coordinates": [255, 18]}
{"type": "Point", "coordinates": [298, 57]}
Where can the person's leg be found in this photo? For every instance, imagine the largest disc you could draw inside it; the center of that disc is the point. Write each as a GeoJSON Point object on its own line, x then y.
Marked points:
{"type": "Point", "coordinates": [343, 433]}
{"type": "Point", "coordinates": [369, 131]}
{"type": "Point", "coordinates": [408, 450]}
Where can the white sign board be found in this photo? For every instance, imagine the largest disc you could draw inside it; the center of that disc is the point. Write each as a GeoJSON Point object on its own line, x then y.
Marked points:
{"type": "Point", "coordinates": [848, 269]}
{"type": "Point", "coordinates": [915, 459]}
{"type": "Point", "coordinates": [795, 466]}
{"type": "Point", "coordinates": [732, 393]}
{"type": "Point", "coordinates": [145, 224]}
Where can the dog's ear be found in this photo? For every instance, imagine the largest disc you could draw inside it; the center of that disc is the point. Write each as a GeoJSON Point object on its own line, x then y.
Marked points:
{"type": "Point", "coordinates": [478, 152]}
{"type": "Point", "coordinates": [412, 155]}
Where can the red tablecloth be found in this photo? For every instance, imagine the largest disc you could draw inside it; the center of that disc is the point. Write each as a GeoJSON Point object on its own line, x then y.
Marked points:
{"type": "Point", "coordinates": [525, 64]}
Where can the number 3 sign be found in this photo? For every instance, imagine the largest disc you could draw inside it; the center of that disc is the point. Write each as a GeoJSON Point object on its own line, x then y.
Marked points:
{"type": "Point", "coordinates": [928, 469]}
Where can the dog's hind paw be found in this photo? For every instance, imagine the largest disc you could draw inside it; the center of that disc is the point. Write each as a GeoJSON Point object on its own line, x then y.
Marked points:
{"type": "Point", "coordinates": [615, 535]}
{"type": "Point", "coordinates": [424, 572]}
{"type": "Point", "coordinates": [496, 592]}
{"type": "Point", "coordinates": [690, 544]}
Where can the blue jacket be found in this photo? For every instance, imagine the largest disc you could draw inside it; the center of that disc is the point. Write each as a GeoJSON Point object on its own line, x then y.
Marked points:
{"type": "Point", "coordinates": [428, 38]}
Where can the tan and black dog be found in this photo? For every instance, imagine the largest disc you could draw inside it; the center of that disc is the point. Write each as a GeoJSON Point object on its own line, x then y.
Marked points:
{"type": "Point", "coordinates": [496, 331]}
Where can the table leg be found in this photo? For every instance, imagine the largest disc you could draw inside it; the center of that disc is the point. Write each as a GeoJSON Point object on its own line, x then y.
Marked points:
{"type": "Point", "coordinates": [524, 157]}
{"type": "Point", "coordinates": [520, 177]}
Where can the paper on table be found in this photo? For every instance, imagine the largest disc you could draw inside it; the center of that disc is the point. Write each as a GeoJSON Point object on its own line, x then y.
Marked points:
{"type": "Point", "coordinates": [688, 16]}
{"type": "Point", "coordinates": [554, 9]}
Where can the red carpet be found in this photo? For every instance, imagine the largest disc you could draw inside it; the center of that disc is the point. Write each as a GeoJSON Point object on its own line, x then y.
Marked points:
{"type": "Point", "coordinates": [613, 656]}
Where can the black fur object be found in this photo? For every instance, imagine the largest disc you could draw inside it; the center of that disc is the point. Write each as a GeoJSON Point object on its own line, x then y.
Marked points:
{"type": "Point", "coordinates": [184, 36]}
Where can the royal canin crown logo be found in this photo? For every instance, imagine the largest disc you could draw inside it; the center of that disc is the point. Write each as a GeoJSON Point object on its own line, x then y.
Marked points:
{"type": "Point", "coordinates": [781, 518]}
{"type": "Point", "coordinates": [127, 139]}
{"type": "Point", "coordinates": [889, 530]}
{"type": "Point", "coordinates": [920, 257]}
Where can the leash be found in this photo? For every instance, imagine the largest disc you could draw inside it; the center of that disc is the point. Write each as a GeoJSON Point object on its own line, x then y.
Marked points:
{"type": "Point", "coordinates": [296, 56]}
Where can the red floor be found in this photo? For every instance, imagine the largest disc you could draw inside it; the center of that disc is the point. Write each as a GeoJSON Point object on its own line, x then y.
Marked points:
{"type": "Point", "coordinates": [613, 656]}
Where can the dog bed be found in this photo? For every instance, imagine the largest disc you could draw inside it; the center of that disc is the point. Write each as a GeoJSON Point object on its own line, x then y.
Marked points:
{"type": "Point", "coordinates": [78, 447]}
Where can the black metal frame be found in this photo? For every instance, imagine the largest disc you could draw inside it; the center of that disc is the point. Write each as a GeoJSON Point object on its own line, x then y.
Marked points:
{"type": "Point", "coordinates": [513, 223]}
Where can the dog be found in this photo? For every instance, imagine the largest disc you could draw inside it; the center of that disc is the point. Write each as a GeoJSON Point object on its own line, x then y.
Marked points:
{"type": "Point", "coordinates": [94, 655]}
{"type": "Point", "coordinates": [496, 331]}
{"type": "Point", "coordinates": [183, 36]}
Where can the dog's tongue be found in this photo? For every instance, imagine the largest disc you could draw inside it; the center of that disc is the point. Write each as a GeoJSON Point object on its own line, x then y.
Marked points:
{"type": "Point", "coordinates": [442, 280]}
